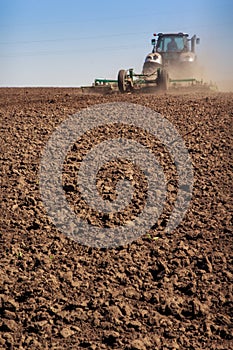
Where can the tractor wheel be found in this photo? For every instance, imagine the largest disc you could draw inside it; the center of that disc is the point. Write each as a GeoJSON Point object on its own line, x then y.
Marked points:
{"type": "Point", "coordinates": [122, 83]}
{"type": "Point", "coordinates": [163, 80]}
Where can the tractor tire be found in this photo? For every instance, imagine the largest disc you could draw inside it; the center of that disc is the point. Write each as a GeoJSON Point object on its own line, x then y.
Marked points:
{"type": "Point", "coordinates": [163, 81]}
{"type": "Point", "coordinates": [122, 83]}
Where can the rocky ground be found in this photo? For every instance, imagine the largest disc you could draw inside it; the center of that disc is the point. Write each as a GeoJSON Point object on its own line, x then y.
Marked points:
{"type": "Point", "coordinates": [164, 290]}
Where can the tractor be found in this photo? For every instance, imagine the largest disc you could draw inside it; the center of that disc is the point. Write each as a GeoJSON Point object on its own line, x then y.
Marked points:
{"type": "Point", "coordinates": [172, 61]}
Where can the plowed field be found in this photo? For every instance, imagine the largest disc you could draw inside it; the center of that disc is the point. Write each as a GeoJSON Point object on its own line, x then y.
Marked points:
{"type": "Point", "coordinates": [162, 291]}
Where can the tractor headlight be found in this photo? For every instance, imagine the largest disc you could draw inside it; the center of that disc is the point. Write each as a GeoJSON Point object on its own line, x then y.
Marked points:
{"type": "Point", "coordinates": [187, 59]}
{"type": "Point", "coordinates": [149, 58]}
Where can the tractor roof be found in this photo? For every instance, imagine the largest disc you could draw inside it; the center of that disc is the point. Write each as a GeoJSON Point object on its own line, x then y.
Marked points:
{"type": "Point", "coordinates": [172, 34]}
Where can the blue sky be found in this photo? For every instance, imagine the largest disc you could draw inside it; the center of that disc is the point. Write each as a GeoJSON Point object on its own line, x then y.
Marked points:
{"type": "Point", "coordinates": [69, 43]}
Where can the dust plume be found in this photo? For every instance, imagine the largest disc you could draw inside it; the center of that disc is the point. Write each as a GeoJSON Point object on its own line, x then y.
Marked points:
{"type": "Point", "coordinates": [215, 65]}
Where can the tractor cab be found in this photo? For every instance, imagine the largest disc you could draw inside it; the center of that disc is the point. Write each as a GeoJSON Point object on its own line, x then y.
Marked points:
{"type": "Point", "coordinates": [178, 42]}
{"type": "Point", "coordinates": [172, 43]}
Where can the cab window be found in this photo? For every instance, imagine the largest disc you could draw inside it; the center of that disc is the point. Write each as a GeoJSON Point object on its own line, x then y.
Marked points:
{"type": "Point", "coordinates": [164, 42]}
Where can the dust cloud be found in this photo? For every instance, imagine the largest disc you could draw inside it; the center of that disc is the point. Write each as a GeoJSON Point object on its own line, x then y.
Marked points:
{"type": "Point", "coordinates": [215, 65]}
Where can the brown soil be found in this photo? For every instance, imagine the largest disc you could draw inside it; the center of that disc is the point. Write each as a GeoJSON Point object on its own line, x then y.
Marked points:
{"type": "Point", "coordinates": [172, 292]}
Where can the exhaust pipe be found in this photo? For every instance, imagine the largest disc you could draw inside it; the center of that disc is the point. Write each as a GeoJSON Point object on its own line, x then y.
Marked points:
{"type": "Point", "coordinates": [193, 43]}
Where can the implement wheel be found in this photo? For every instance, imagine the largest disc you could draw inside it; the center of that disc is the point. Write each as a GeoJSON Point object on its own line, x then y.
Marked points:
{"type": "Point", "coordinates": [122, 80]}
